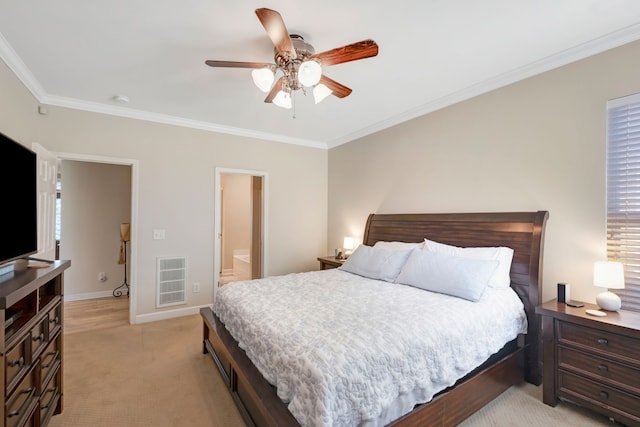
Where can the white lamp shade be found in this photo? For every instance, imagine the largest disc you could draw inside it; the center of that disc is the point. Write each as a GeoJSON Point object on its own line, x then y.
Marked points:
{"type": "Point", "coordinates": [608, 274]}
{"type": "Point", "coordinates": [320, 92]}
{"type": "Point", "coordinates": [263, 78]}
{"type": "Point", "coordinates": [283, 99]}
{"type": "Point", "coordinates": [125, 232]}
{"type": "Point", "coordinates": [309, 73]}
{"type": "Point", "coordinates": [348, 243]}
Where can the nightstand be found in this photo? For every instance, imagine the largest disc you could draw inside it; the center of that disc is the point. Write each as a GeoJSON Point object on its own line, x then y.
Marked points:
{"type": "Point", "coordinates": [592, 361]}
{"type": "Point", "coordinates": [327, 262]}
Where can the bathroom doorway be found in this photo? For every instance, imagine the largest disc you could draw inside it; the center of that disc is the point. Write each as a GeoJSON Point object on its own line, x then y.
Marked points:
{"type": "Point", "coordinates": [240, 218]}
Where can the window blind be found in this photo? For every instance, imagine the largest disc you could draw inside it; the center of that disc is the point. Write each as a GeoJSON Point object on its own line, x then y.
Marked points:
{"type": "Point", "coordinates": [623, 193]}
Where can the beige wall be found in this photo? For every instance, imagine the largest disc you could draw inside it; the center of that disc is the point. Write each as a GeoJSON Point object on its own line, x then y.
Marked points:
{"type": "Point", "coordinates": [176, 170]}
{"type": "Point", "coordinates": [535, 145]}
{"type": "Point", "coordinates": [96, 198]}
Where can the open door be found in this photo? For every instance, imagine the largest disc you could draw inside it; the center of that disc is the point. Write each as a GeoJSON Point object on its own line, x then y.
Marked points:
{"type": "Point", "coordinates": [47, 164]}
{"type": "Point", "coordinates": [240, 215]}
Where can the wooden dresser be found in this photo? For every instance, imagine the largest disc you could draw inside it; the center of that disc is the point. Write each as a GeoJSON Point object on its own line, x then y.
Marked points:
{"type": "Point", "coordinates": [31, 344]}
{"type": "Point", "coordinates": [592, 361]}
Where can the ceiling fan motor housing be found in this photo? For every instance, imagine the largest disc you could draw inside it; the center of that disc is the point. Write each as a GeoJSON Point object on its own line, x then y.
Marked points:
{"type": "Point", "coordinates": [289, 65]}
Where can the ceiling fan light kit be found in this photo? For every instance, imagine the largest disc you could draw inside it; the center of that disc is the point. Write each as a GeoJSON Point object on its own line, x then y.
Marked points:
{"type": "Point", "coordinates": [309, 73]}
{"type": "Point", "coordinates": [298, 63]}
{"type": "Point", "coordinates": [283, 99]}
{"type": "Point", "coordinates": [320, 92]}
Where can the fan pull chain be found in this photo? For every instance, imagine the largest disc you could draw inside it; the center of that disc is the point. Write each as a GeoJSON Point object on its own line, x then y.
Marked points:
{"type": "Point", "coordinates": [293, 101]}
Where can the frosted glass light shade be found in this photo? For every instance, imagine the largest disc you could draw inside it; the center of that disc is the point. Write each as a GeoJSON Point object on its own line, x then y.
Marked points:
{"type": "Point", "coordinates": [320, 92]}
{"type": "Point", "coordinates": [610, 275]}
{"type": "Point", "coordinates": [263, 78]}
{"type": "Point", "coordinates": [283, 99]}
{"type": "Point", "coordinates": [309, 73]}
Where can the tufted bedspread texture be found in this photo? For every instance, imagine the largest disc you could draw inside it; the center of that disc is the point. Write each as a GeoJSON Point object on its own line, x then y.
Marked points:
{"type": "Point", "coordinates": [344, 350]}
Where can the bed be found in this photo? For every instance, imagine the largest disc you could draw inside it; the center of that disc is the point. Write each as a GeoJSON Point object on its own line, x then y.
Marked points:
{"type": "Point", "coordinates": [523, 232]}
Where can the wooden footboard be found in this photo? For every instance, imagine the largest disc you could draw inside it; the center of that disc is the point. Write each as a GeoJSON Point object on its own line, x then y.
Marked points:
{"type": "Point", "coordinates": [459, 402]}
{"type": "Point", "coordinates": [255, 398]}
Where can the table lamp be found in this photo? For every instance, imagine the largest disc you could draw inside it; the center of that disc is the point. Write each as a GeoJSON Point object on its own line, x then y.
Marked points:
{"type": "Point", "coordinates": [610, 275]}
{"type": "Point", "coordinates": [347, 246]}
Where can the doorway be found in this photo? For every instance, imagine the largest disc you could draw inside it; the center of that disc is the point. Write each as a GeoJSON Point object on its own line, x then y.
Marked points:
{"type": "Point", "coordinates": [91, 185]}
{"type": "Point", "coordinates": [239, 226]}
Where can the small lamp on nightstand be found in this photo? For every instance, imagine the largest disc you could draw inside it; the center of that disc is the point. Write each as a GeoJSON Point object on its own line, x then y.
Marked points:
{"type": "Point", "coordinates": [610, 275]}
{"type": "Point", "coordinates": [347, 247]}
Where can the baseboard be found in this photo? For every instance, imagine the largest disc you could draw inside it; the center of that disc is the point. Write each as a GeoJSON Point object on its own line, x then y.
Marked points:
{"type": "Point", "coordinates": [88, 295]}
{"type": "Point", "coordinates": [169, 314]}
{"type": "Point", "coordinates": [142, 318]}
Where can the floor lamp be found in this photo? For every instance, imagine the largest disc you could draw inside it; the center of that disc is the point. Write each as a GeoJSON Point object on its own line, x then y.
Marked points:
{"type": "Point", "coordinates": [125, 236]}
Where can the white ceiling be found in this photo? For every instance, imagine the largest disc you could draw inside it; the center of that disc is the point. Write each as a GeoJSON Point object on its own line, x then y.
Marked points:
{"type": "Point", "coordinates": [79, 54]}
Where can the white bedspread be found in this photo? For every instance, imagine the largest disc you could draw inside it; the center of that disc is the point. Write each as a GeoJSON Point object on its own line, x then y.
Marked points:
{"type": "Point", "coordinates": [344, 350]}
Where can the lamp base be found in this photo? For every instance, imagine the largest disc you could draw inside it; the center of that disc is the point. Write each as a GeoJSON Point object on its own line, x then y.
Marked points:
{"type": "Point", "coordinates": [608, 301]}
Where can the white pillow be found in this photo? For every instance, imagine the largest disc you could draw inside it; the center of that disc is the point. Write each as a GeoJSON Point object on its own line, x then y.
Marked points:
{"type": "Point", "coordinates": [398, 246]}
{"type": "Point", "coordinates": [375, 263]}
{"type": "Point", "coordinates": [460, 277]}
{"type": "Point", "coordinates": [501, 277]}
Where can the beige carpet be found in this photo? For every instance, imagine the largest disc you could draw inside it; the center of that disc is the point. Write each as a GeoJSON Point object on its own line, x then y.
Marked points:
{"type": "Point", "coordinates": [155, 374]}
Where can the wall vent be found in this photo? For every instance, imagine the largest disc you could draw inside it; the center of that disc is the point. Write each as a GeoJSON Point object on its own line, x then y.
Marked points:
{"type": "Point", "coordinates": [172, 281]}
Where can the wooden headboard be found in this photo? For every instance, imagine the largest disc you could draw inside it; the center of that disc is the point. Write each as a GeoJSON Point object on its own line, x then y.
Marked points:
{"type": "Point", "coordinates": [521, 231]}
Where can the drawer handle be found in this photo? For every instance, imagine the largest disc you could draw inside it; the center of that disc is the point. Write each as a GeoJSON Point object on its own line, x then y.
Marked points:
{"type": "Point", "coordinates": [603, 341]}
{"type": "Point", "coordinates": [603, 395]}
{"type": "Point", "coordinates": [54, 320]}
{"type": "Point", "coordinates": [49, 390]}
{"type": "Point", "coordinates": [38, 338]}
{"type": "Point", "coordinates": [54, 357]}
{"type": "Point", "coordinates": [603, 368]}
{"type": "Point", "coordinates": [28, 391]}
{"type": "Point", "coordinates": [19, 362]}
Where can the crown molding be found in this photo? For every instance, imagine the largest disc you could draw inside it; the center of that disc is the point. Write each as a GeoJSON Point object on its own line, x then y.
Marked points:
{"type": "Point", "coordinates": [601, 44]}
{"type": "Point", "coordinates": [22, 72]}
{"type": "Point", "coordinates": [593, 47]}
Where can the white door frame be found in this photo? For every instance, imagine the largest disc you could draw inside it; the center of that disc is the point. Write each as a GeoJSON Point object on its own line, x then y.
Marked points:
{"type": "Point", "coordinates": [217, 259]}
{"type": "Point", "coordinates": [133, 243]}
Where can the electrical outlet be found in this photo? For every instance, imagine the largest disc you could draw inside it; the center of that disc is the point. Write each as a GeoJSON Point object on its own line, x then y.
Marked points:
{"type": "Point", "coordinates": [102, 276]}
{"type": "Point", "coordinates": [158, 234]}
{"type": "Point", "coordinates": [196, 288]}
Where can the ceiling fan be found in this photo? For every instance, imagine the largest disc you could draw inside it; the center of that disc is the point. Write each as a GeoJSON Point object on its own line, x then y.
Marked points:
{"type": "Point", "coordinates": [300, 66]}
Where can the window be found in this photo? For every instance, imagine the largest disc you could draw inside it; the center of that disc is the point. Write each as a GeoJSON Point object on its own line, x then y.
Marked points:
{"type": "Point", "coordinates": [623, 193]}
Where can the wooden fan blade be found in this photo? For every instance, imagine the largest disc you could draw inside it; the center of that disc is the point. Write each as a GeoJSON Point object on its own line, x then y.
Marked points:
{"type": "Point", "coordinates": [338, 89]}
{"type": "Point", "coordinates": [236, 64]}
{"type": "Point", "coordinates": [274, 90]}
{"type": "Point", "coordinates": [350, 52]}
{"type": "Point", "coordinates": [276, 30]}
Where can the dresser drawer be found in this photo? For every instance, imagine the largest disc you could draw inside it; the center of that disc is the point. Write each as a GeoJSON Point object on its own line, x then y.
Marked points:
{"type": "Point", "coordinates": [50, 396]}
{"type": "Point", "coordinates": [50, 359]}
{"type": "Point", "coordinates": [20, 404]}
{"type": "Point", "coordinates": [17, 361]}
{"type": "Point", "coordinates": [593, 393]}
{"type": "Point", "coordinates": [38, 338]}
{"type": "Point", "coordinates": [55, 319]}
{"type": "Point", "coordinates": [599, 369]}
{"type": "Point", "coordinates": [616, 346]}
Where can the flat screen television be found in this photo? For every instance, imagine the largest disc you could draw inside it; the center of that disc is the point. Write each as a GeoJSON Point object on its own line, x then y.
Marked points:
{"type": "Point", "coordinates": [19, 236]}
